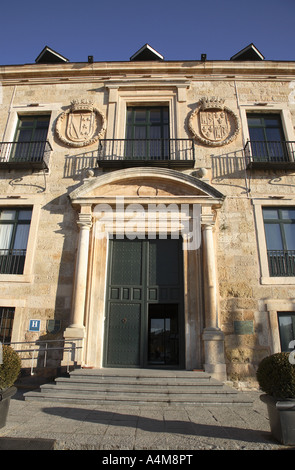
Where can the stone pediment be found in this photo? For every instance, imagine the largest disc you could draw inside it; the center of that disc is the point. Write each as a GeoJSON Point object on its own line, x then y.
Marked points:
{"type": "Point", "coordinates": [144, 183]}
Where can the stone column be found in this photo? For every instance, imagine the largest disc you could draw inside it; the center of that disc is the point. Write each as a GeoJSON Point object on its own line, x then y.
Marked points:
{"type": "Point", "coordinates": [77, 328]}
{"type": "Point", "coordinates": [211, 319]}
{"type": "Point", "coordinates": [213, 337]}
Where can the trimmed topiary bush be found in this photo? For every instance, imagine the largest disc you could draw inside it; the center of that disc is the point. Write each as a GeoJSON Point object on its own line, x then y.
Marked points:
{"type": "Point", "coordinates": [10, 368]}
{"type": "Point", "coordinates": [276, 376]}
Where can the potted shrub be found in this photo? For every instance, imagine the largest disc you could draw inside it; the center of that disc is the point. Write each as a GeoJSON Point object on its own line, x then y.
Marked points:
{"type": "Point", "coordinates": [9, 371]}
{"type": "Point", "coordinates": [276, 377]}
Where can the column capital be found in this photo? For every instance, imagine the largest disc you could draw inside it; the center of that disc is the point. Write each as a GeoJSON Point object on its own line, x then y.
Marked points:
{"type": "Point", "coordinates": [207, 220]}
{"type": "Point", "coordinates": [85, 221]}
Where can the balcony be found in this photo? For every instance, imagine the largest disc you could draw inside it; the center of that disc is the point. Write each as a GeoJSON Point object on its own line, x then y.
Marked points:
{"type": "Point", "coordinates": [281, 263]}
{"type": "Point", "coordinates": [12, 261]}
{"type": "Point", "coordinates": [20, 155]}
{"type": "Point", "coordinates": [171, 153]}
{"type": "Point", "coordinates": [270, 155]}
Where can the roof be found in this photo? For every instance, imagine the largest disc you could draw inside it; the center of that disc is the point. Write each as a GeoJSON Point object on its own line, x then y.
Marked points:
{"type": "Point", "coordinates": [49, 56]}
{"type": "Point", "coordinates": [248, 53]}
{"type": "Point", "coordinates": [146, 52]}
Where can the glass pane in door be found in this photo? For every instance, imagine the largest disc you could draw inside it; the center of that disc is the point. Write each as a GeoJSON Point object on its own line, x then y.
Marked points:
{"type": "Point", "coordinates": [163, 334]}
{"type": "Point", "coordinates": [287, 329]}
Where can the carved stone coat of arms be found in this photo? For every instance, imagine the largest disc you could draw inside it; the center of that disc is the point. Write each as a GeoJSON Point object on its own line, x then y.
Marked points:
{"type": "Point", "coordinates": [81, 125]}
{"type": "Point", "coordinates": [212, 123]}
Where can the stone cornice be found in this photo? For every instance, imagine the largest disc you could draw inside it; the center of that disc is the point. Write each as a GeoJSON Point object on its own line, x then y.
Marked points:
{"type": "Point", "coordinates": [104, 71]}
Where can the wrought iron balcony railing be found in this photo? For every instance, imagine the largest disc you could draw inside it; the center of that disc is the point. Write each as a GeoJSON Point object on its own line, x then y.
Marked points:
{"type": "Point", "coordinates": [156, 152]}
{"type": "Point", "coordinates": [25, 154]}
{"type": "Point", "coordinates": [281, 263]}
{"type": "Point", "coordinates": [266, 154]}
{"type": "Point", "coordinates": [12, 261]}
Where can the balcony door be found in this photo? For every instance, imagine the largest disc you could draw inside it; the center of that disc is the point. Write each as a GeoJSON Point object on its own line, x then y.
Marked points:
{"type": "Point", "coordinates": [147, 133]}
{"type": "Point", "coordinates": [14, 234]}
{"type": "Point", "coordinates": [30, 138]}
{"type": "Point", "coordinates": [267, 138]}
{"type": "Point", "coordinates": [144, 310]}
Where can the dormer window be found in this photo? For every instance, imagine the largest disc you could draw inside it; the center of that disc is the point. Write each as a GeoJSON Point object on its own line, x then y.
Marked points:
{"type": "Point", "coordinates": [146, 52]}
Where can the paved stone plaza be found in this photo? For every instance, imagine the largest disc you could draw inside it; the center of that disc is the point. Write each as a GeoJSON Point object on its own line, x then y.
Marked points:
{"type": "Point", "coordinates": [58, 426]}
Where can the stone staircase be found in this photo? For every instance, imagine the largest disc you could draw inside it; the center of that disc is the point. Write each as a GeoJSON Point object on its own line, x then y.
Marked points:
{"type": "Point", "coordinates": [138, 387]}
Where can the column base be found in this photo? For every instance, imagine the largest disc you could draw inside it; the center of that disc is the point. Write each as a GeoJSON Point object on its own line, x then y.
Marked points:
{"type": "Point", "coordinates": [75, 332]}
{"type": "Point", "coordinates": [74, 337]}
{"type": "Point", "coordinates": [214, 353]}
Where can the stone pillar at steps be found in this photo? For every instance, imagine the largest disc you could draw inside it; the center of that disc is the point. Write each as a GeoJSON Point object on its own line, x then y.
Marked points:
{"type": "Point", "coordinates": [74, 335]}
{"type": "Point", "coordinates": [213, 337]}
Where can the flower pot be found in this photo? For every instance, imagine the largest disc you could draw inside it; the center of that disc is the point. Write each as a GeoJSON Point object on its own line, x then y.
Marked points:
{"type": "Point", "coordinates": [5, 396]}
{"type": "Point", "coordinates": [281, 418]}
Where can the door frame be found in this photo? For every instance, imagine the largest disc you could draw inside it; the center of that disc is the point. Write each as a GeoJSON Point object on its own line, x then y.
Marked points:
{"type": "Point", "coordinates": [145, 302]}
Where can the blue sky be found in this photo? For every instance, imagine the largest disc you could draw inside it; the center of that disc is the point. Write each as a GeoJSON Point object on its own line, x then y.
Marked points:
{"type": "Point", "coordinates": [113, 30]}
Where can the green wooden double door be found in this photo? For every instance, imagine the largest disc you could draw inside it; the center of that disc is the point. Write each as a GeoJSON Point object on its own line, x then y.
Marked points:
{"type": "Point", "coordinates": [144, 311]}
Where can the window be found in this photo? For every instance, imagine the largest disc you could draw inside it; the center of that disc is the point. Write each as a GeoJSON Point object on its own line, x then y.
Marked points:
{"type": "Point", "coordinates": [6, 324]}
{"type": "Point", "coordinates": [147, 132]}
{"type": "Point", "coordinates": [267, 141]}
{"type": "Point", "coordinates": [30, 138]}
{"type": "Point", "coordinates": [279, 226]}
{"type": "Point", "coordinates": [286, 329]}
{"type": "Point", "coordinates": [14, 233]}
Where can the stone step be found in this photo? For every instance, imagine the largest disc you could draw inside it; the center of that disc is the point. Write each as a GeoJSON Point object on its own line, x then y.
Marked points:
{"type": "Point", "coordinates": [137, 381]}
{"type": "Point", "coordinates": [138, 398]}
{"type": "Point", "coordinates": [138, 387]}
{"type": "Point", "coordinates": [155, 391]}
{"type": "Point", "coordinates": [142, 387]}
{"type": "Point", "coordinates": [138, 377]}
{"type": "Point", "coordinates": [140, 374]}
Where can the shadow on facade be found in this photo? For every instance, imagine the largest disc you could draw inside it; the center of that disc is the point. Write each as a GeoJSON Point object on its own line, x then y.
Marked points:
{"type": "Point", "coordinates": [227, 168]}
{"type": "Point", "coordinates": [60, 268]}
{"type": "Point", "coordinates": [245, 344]}
{"type": "Point", "coordinates": [229, 165]}
{"type": "Point", "coordinates": [76, 165]}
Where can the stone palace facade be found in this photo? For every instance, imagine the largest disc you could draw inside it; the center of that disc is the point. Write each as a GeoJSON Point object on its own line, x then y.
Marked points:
{"type": "Point", "coordinates": [147, 211]}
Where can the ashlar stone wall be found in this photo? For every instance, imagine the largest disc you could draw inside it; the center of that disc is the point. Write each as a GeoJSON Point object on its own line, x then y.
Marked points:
{"type": "Point", "coordinates": [245, 299]}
